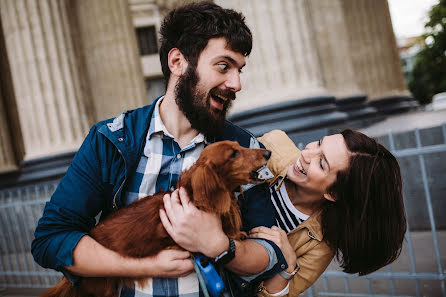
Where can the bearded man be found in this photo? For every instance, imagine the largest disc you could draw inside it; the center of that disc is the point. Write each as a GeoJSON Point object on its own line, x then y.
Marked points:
{"type": "Point", "coordinates": [141, 152]}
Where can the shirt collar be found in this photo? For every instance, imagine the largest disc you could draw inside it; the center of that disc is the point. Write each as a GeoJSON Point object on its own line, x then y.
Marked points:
{"type": "Point", "coordinates": [157, 127]}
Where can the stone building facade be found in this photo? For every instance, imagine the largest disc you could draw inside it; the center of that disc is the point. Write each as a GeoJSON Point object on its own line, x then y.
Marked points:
{"type": "Point", "coordinates": [65, 65]}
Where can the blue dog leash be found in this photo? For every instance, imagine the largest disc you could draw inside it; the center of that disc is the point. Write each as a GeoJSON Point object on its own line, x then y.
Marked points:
{"type": "Point", "coordinates": [210, 282]}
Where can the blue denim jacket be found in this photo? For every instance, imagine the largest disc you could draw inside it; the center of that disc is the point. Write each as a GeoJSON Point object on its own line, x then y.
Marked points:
{"type": "Point", "coordinates": [94, 184]}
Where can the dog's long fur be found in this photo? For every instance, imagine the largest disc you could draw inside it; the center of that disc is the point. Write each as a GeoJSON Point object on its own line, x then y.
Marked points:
{"type": "Point", "coordinates": [136, 230]}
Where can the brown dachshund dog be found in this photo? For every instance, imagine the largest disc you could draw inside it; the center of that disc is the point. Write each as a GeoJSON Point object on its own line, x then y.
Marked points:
{"type": "Point", "coordinates": [221, 168]}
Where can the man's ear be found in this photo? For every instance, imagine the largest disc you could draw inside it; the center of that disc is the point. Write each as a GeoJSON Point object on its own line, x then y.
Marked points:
{"type": "Point", "coordinates": [176, 61]}
{"type": "Point", "coordinates": [329, 197]}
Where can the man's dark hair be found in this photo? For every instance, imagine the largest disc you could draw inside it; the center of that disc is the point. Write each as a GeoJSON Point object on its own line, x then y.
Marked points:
{"type": "Point", "coordinates": [367, 223]}
{"type": "Point", "coordinates": [190, 27]}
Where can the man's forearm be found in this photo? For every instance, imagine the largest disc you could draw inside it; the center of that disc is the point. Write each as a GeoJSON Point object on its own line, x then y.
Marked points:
{"type": "Point", "coordinates": [250, 256]}
{"type": "Point", "coordinates": [92, 259]}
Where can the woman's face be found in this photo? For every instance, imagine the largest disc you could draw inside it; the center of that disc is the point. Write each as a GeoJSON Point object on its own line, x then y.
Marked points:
{"type": "Point", "coordinates": [316, 169]}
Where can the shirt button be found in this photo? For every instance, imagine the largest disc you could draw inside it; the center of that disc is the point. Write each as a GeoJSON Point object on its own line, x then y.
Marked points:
{"type": "Point", "coordinates": [243, 285]}
{"type": "Point", "coordinates": [172, 188]}
{"type": "Point", "coordinates": [120, 139]}
{"type": "Point", "coordinates": [178, 156]}
{"type": "Point", "coordinates": [282, 266]}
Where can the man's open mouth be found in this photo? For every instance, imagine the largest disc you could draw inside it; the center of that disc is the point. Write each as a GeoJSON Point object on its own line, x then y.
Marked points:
{"type": "Point", "coordinates": [219, 101]}
{"type": "Point", "coordinates": [221, 98]}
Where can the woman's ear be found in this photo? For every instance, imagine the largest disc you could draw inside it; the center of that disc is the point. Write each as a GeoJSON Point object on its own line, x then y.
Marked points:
{"type": "Point", "coordinates": [176, 61]}
{"type": "Point", "coordinates": [329, 197]}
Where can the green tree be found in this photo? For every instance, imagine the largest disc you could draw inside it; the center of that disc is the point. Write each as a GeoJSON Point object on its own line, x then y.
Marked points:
{"type": "Point", "coordinates": [429, 73]}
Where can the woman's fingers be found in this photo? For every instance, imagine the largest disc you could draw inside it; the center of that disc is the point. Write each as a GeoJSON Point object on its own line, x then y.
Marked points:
{"type": "Point", "coordinates": [279, 237]}
{"type": "Point", "coordinates": [272, 234]}
{"type": "Point", "coordinates": [280, 231]}
{"type": "Point", "coordinates": [262, 229]}
{"type": "Point", "coordinates": [268, 237]}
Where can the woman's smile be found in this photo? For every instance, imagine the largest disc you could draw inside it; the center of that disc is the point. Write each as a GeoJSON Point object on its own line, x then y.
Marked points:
{"type": "Point", "coordinates": [299, 168]}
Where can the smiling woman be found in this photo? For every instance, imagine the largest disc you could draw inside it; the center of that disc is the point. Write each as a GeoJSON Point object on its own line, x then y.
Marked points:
{"type": "Point", "coordinates": [340, 196]}
{"type": "Point", "coordinates": [316, 169]}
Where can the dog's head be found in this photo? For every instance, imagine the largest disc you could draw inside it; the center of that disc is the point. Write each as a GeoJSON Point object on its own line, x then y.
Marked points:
{"type": "Point", "coordinates": [223, 167]}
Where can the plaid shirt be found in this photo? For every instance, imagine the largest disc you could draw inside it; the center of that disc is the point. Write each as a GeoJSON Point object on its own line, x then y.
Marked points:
{"type": "Point", "coordinates": [159, 169]}
{"type": "Point", "coordinates": [162, 160]}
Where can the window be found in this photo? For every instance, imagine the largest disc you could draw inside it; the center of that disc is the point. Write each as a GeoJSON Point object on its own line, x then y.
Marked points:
{"type": "Point", "coordinates": [147, 40]}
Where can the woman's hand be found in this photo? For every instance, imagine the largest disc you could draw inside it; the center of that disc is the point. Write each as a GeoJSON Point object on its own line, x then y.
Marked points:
{"type": "Point", "coordinates": [279, 237]}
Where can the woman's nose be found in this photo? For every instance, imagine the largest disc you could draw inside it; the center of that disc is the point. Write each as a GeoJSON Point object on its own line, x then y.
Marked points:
{"type": "Point", "coordinates": [310, 150]}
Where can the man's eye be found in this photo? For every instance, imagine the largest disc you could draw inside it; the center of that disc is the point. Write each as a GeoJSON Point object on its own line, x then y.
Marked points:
{"type": "Point", "coordinates": [223, 66]}
{"type": "Point", "coordinates": [320, 163]}
{"type": "Point", "coordinates": [319, 142]}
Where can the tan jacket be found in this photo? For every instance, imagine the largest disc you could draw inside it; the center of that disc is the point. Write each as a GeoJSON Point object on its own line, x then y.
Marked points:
{"type": "Point", "coordinates": [313, 254]}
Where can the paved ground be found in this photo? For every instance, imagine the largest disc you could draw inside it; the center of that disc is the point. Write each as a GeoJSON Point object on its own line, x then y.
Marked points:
{"type": "Point", "coordinates": [424, 262]}
{"type": "Point", "coordinates": [406, 122]}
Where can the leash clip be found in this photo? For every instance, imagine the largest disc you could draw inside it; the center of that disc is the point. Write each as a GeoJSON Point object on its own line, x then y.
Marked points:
{"type": "Point", "coordinates": [264, 173]}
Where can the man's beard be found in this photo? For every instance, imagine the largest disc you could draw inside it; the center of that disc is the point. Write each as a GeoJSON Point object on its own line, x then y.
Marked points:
{"type": "Point", "coordinates": [195, 104]}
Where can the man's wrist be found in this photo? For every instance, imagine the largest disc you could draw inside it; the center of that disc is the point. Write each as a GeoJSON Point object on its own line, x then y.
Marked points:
{"type": "Point", "coordinates": [217, 246]}
{"type": "Point", "coordinates": [228, 255]}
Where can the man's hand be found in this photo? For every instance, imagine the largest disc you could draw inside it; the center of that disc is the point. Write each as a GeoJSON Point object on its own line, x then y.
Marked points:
{"type": "Point", "coordinates": [94, 260]}
{"type": "Point", "coordinates": [173, 263]}
{"type": "Point", "coordinates": [192, 229]}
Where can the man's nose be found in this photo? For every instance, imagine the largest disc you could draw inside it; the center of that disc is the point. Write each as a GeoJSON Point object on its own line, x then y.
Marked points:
{"type": "Point", "coordinates": [233, 82]}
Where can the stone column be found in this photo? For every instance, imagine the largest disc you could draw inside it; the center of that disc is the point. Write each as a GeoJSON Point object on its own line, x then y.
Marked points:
{"type": "Point", "coordinates": [111, 56]}
{"type": "Point", "coordinates": [7, 157]}
{"type": "Point", "coordinates": [328, 24]}
{"type": "Point", "coordinates": [165, 6]}
{"type": "Point", "coordinates": [283, 64]}
{"type": "Point", "coordinates": [49, 93]}
{"type": "Point", "coordinates": [373, 48]}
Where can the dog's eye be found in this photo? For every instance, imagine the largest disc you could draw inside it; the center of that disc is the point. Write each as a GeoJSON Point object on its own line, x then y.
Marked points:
{"type": "Point", "coordinates": [234, 154]}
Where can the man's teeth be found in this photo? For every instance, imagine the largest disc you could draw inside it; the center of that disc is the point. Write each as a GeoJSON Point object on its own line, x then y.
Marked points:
{"type": "Point", "coordinates": [299, 166]}
{"type": "Point", "coordinates": [221, 99]}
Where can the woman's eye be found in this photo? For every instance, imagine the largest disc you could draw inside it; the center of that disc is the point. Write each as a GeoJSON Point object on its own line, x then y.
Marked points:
{"type": "Point", "coordinates": [320, 164]}
{"type": "Point", "coordinates": [319, 142]}
{"type": "Point", "coordinates": [223, 66]}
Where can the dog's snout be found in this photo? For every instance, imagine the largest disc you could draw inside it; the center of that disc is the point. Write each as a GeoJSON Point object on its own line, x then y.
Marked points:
{"type": "Point", "coordinates": [267, 154]}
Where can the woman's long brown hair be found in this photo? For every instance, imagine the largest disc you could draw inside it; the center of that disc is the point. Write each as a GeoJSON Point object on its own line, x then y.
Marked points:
{"type": "Point", "coordinates": [366, 225]}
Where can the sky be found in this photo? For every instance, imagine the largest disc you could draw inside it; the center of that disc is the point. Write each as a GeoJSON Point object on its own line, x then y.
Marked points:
{"type": "Point", "coordinates": [409, 16]}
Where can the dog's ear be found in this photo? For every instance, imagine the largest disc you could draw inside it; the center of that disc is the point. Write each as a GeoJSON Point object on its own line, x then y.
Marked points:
{"type": "Point", "coordinates": [209, 191]}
